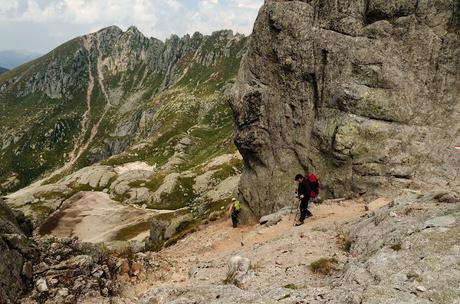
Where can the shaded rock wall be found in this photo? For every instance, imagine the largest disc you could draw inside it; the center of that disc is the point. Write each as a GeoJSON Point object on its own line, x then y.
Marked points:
{"type": "Point", "coordinates": [16, 254]}
{"type": "Point", "coordinates": [365, 93]}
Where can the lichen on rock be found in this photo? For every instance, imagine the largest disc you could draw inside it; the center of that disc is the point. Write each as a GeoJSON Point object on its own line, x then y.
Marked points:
{"type": "Point", "coordinates": [365, 94]}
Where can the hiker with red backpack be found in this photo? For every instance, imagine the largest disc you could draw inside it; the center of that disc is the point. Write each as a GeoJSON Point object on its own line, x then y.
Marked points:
{"type": "Point", "coordinates": [308, 188]}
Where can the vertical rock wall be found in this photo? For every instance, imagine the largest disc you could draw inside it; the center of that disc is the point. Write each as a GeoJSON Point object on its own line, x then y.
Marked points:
{"type": "Point", "coordinates": [16, 253]}
{"type": "Point", "coordinates": [365, 93]}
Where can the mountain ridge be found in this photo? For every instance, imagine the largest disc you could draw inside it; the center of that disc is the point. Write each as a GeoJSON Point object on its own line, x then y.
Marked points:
{"type": "Point", "coordinates": [130, 64]}
{"type": "Point", "coordinates": [127, 122]}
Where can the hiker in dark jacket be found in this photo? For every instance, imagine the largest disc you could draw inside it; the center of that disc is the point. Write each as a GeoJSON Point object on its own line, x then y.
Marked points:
{"type": "Point", "coordinates": [303, 193]}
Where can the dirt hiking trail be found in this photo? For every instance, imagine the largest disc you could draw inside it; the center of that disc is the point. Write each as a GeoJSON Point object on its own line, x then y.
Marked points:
{"type": "Point", "coordinates": [280, 255]}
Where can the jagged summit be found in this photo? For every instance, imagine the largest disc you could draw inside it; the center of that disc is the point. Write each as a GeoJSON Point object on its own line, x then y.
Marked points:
{"type": "Point", "coordinates": [110, 29]}
{"type": "Point", "coordinates": [133, 29]}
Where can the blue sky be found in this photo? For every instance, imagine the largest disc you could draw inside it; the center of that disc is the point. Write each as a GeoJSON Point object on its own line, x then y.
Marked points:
{"type": "Point", "coordinates": [41, 25]}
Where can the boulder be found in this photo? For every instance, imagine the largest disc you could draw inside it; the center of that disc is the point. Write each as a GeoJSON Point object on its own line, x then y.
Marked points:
{"type": "Point", "coordinates": [440, 221]}
{"type": "Point", "coordinates": [177, 224]}
{"type": "Point", "coordinates": [157, 234]}
{"type": "Point", "coordinates": [169, 185]}
{"type": "Point", "coordinates": [162, 230]}
{"type": "Point", "coordinates": [41, 285]}
{"type": "Point", "coordinates": [238, 271]}
{"type": "Point", "coordinates": [271, 219]}
{"type": "Point", "coordinates": [122, 183]}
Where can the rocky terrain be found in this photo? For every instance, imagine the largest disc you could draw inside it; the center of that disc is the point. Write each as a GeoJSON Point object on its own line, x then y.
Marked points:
{"type": "Point", "coordinates": [400, 251]}
{"type": "Point", "coordinates": [16, 251]}
{"type": "Point", "coordinates": [59, 270]}
{"type": "Point", "coordinates": [365, 93]}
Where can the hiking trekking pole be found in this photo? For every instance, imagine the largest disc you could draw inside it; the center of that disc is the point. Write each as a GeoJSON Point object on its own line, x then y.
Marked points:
{"type": "Point", "coordinates": [295, 217]}
{"type": "Point", "coordinates": [292, 209]}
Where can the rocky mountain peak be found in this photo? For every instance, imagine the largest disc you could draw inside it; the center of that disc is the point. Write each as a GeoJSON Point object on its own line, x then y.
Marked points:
{"type": "Point", "coordinates": [113, 29]}
{"type": "Point", "coordinates": [197, 36]}
{"type": "Point", "coordinates": [223, 33]}
{"type": "Point", "coordinates": [134, 30]}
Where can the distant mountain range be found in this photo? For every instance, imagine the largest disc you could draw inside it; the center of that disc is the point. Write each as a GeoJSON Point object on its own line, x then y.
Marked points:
{"type": "Point", "coordinates": [3, 70]}
{"type": "Point", "coordinates": [10, 59]}
{"type": "Point", "coordinates": [147, 121]}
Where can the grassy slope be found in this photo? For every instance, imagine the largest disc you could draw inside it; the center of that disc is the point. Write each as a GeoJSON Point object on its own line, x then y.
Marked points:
{"type": "Point", "coordinates": [49, 125]}
{"type": "Point", "coordinates": [196, 108]}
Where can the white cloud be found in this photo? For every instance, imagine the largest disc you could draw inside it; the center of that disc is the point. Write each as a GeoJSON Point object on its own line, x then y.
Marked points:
{"type": "Point", "coordinates": [247, 4]}
{"type": "Point", "coordinates": [8, 7]}
{"type": "Point", "coordinates": [84, 11]}
{"type": "Point", "coordinates": [158, 18]}
{"type": "Point", "coordinates": [238, 15]}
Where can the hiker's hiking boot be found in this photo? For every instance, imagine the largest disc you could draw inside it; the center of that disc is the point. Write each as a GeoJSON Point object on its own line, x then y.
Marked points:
{"type": "Point", "coordinates": [299, 223]}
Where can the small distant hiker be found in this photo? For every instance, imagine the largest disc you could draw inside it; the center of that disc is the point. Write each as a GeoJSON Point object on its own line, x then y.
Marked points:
{"type": "Point", "coordinates": [304, 194]}
{"type": "Point", "coordinates": [234, 211]}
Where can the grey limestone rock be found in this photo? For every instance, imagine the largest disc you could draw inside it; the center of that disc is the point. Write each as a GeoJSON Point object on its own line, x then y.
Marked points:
{"type": "Point", "coordinates": [17, 253]}
{"type": "Point", "coordinates": [239, 270]}
{"type": "Point", "coordinates": [271, 219]}
{"type": "Point", "coordinates": [364, 93]}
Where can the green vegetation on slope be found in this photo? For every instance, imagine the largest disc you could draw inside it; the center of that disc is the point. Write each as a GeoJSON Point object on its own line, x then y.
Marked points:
{"type": "Point", "coordinates": [150, 117]}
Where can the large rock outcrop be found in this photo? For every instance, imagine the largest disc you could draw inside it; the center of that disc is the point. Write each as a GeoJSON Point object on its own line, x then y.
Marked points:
{"type": "Point", "coordinates": [365, 93]}
{"type": "Point", "coordinates": [16, 255]}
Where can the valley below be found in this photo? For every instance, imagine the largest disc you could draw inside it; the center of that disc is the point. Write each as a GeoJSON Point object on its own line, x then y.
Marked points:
{"type": "Point", "coordinates": [154, 138]}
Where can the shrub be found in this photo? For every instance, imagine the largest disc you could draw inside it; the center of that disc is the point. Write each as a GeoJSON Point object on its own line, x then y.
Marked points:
{"type": "Point", "coordinates": [323, 266]}
{"type": "Point", "coordinates": [344, 241]}
{"type": "Point", "coordinates": [291, 286]}
{"type": "Point", "coordinates": [396, 247]}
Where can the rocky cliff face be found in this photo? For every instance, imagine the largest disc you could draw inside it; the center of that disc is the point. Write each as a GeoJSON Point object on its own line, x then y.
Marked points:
{"type": "Point", "coordinates": [364, 93]}
{"type": "Point", "coordinates": [16, 254]}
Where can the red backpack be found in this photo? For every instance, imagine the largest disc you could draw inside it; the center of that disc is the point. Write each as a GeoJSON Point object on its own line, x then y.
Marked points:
{"type": "Point", "coordinates": [314, 183]}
